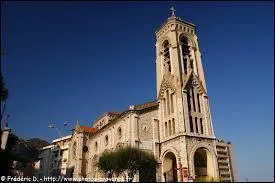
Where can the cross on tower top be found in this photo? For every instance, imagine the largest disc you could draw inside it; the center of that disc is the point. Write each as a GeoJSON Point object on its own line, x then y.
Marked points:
{"type": "Point", "coordinates": [173, 10]}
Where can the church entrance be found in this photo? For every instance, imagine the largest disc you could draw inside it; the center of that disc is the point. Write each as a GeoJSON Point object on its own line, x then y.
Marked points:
{"type": "Point", "coordinates": [203, 163]}
{"type": "Point", "coordinates": [170, 168]}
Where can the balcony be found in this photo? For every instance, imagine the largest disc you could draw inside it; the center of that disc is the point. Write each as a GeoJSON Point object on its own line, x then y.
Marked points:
{"type": "Point", "coordinates": [223, 161]}
{"type": "Point", "coordinates": [225, 173]}
{"type": "Point", "coordinates": [221, 150]}
{"type": "Point", "coordinates": [223, 167]}
{"type": "Point", "coordinates": [222, 156]}
{"type": "Point", "coordinates": [226, 179]}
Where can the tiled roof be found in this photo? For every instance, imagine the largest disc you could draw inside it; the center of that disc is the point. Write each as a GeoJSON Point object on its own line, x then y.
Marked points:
{"type": "Point", "coordinates": [113, 113]}
{"type": "Point", "coordinates": [88, 129]}
{"type": "Point", "coordinates": [146, 105]}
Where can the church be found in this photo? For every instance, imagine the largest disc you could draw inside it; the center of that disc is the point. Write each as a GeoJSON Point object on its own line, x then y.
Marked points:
{"type": "Point", "coordinates": [176, 127]}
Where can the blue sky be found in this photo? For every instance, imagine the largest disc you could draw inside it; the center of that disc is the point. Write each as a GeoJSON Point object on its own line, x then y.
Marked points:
{"type": "Point", "coordinates": [75, 60]}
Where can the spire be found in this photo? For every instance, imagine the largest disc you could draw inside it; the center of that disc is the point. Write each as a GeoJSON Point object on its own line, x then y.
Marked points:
{"type": "Point", "coordinates": [77, 123]}
{"type": "Point", "coordinates": [173, 10]}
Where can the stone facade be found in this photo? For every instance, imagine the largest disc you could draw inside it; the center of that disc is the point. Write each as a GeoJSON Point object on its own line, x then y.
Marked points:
{"type": "Point", "coordinates": [177, 127]}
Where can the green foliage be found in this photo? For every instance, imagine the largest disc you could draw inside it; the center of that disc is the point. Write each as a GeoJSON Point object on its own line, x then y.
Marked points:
{"type": "Point", "coordinates": [4, 91]}
{"type": "Point", "coordinates": [127, 161]}
{"type": "Point", "coordinates": [20, 150]}
{"type": "Point", "coordinates": [147, 172]}
{"type": "Point", "coordinates": [107, 162]}
{"type": "Point", "coordinates": [36, 143]}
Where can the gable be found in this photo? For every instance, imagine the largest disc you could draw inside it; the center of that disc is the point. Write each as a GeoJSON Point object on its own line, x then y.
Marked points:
{"type": "Point", "coordinates": [193, 80]}
{"type": "Point", "coordinates": [167, 82]}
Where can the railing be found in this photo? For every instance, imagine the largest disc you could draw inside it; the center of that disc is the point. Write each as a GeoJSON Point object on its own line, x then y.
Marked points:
{"type": "Point", "coordinates": [221, 150]}
{"type": "Point", "coordinates": [223, 167]}
{"type": "Point", "coordinates": [224, 173]}
{"type": "Point", "coordinates": [222, 156]}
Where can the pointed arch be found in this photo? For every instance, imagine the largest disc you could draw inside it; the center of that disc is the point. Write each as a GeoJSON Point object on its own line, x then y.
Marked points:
{"type": "Point", "coordinates": [189, 39]}
{"type": "Point", "coordinates": [166, 56]}
{"type": "Point", "coordinates": [208, 160]}
{"type": "Point", "coordinates": [194, 81]}
{"type": "Point", "coordinates": [165, 84]}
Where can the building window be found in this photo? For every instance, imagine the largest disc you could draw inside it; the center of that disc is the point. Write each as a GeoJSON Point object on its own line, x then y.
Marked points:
{"type": "Point", "coordinates": [96, 146]}
{"type": "Point", "coordinates": [201, 125]}
{"type": "Point", "coordinates": [144, 128]}
{"type": "Point", "coordinates": [170, 127]}
{"type": "Point", "coordinates": [185, 52]}
{"type": "Point", "coordinates": [119, 132]}
{"type": "Point", "coordinates": [198, 100]}
{"type": "Point", "coordinates": [196, 124]}
{"type": "Point", "coordinates": [168, 102]}
{"type": "Point", "coordinates": [106, 140]}
{"type": "Point", "coordinates": [85, 149]}
{"type": "Point", "coordinates": [166, 54]}
{"type": "Point", "coordinates": [193, 99]}
{"type": "Point", "coordinates": [191, 124]}
{"type": "Point", "coordinates": [172, 103]}
{"type": "Point", "coordinates": [166, 129]}
{"type": "Point", "coordinates": [189, 101]}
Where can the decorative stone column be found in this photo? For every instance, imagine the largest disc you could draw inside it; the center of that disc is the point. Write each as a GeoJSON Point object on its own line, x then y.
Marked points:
{"type": "Point", "coordinates": [200, 68]}
{"type": "Point", "coordinates": [181, 58]}
{"type": "Point", "coordinates": [179, 114]}
{"type": "Point", "coordinates": [206, 115]}
{"type": "Point", "coordinates": [161, 119]}
{"type": "Point", "coordinates": [194, 60]}
{"type": "Point", "coordinates": [171, 59]}
{"type": "Point", "coordinates": [79, 146]}
{"type": "Point", "coordinates": [185, 111]}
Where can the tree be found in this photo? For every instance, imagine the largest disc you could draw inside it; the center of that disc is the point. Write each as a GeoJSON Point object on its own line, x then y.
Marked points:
{"type": "Point", "coordinates": [4, 97]}
{"type": "Point", "coordinates": [107, 163]}
{"type": "Point", "coordinates": [127, 161]}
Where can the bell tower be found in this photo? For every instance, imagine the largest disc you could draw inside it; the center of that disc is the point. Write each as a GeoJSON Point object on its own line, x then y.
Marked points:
{"type": "Point", "coordinates": [181, 86]}
{"type": "Point", "coordinates": [184, 113]}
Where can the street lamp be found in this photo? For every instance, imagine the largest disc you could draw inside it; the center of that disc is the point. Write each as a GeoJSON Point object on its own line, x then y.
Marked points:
{"type": "Point", "coordinates": [61, 133]}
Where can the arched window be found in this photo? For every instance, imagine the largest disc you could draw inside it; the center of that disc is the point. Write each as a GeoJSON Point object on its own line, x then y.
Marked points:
{"type": "Point", "coordinates": [191, 124]}
{"type": "Point", "coordinates": [168, 102]}
{"type": "Point", "coordinates": [96, 146]}
{"type": "Point", "coordinates": [172, 102]}
{"type": "Point", "coordinates": [119, 132]}
{"type": "Point", "coordinates": [196, 125]}
{"type": "Point", "coordinates": [189, 101]}
{"type": "Point", "coordinates": [201, 125]}
{"type": "Point", "coordinates": [166, 55]}
{"type": "Point", "coordinates": [85, 149]}
{"type": "Point", "coordinates": [106, 140]}
{"type": "Point", "coordinates": [185, 52]}
{"type": "Point", "coordinates": [193, 98]}
{"type": "Point", "coordinates": [198, 99]}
